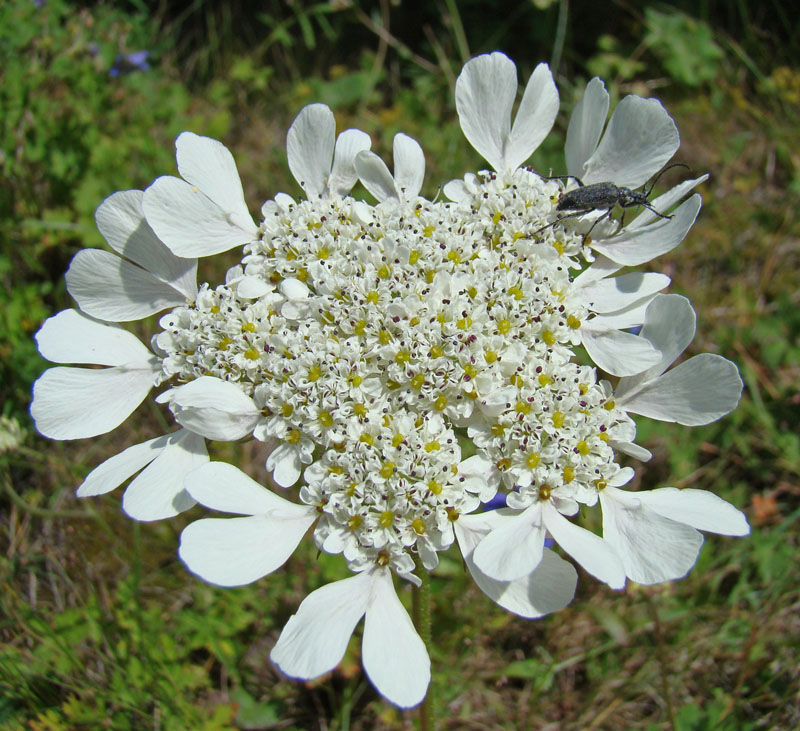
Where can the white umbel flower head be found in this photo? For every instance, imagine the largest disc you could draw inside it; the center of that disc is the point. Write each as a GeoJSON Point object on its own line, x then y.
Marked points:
{"type": "Point", "coordinates": [366, 344]}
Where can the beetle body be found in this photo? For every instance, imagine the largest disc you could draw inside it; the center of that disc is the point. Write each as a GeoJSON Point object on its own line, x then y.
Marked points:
{"type": "Point", "coordinates": [603, 197]}
{"type": "Point", "coordinates": [600, 196]}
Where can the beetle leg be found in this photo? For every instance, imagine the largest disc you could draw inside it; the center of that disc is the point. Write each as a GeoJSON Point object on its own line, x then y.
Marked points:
{"type": "Point", "coordinates": [606, 216]}
{"type": "Point", "coordinates": [575, 214]}
{"type": "Point", "coordinates": [621, 223]}
{"type": "Point", "coordinates": [564, 177]}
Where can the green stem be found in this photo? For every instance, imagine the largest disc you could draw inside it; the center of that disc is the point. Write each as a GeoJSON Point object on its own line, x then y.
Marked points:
{"type": "Point", "coordinates": [458, 30]}
{"type": "Point", "coordinates": [561, 34]}
{"type": "Point", "coordinates": [662, 662]}
{"type": "Point", "coordinates": [421, 613]}
{"type": "Point", "coordinates": [46, 513]}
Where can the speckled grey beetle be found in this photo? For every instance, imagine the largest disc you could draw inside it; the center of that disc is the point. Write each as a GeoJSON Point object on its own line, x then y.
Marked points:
{"type": "Point", "coordinates": [603, 196]}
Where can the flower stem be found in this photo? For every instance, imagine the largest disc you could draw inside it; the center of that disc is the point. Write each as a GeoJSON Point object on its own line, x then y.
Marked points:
{"type": "Point", "coordinates": [421, 614]}
{"type": "Point", "coordinates": [662, 662]}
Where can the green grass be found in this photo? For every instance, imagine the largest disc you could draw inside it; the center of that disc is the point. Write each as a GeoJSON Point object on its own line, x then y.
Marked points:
{"type": "Point", "coordinates": [101, 625]}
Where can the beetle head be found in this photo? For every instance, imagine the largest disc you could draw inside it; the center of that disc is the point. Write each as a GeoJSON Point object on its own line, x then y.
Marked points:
{"type": "Point", "coordinates": [629, 198]}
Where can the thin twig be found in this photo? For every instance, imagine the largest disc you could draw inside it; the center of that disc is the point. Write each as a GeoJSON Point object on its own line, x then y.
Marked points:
{"type": "Point", "coordinates": [441, 56]}
{"type": "Point", "coordinates": [380, 56]}
{"type": "Point", "coordinates": [398, 45]}
{"type": "Point", "coordinates": [22, 504]}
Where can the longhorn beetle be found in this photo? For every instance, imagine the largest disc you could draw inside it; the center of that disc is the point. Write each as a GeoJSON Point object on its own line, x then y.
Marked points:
{"type": "Point", "coordinates": [603, 196]}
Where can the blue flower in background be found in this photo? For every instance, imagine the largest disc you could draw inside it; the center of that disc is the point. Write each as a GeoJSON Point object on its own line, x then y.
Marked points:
{"type": "Point", "coordinates": [498, 501]}
{"type": "Point", "coordinates": [126, 63]}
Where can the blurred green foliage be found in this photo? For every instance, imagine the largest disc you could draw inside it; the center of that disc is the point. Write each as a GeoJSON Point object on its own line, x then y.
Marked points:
{"type": "Point", "coordinates": [101, 626]}
{"type": "Point", "coordinates": [685, 46]}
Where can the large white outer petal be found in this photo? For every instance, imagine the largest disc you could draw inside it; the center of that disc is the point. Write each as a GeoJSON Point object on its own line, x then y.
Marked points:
{"type": "Point", "coordinates": [343, 174]}
{"type": "Point", "coordinates": [110, 288]}
{"type": "Point", "coordinates": [631, 316]}
{"type": "Point", "coordinates": [214, 408]}
{"type": "Point", "coordinates": [238, 551]}
{"type": "Point", "coordinates": [550, 587]}
{"type": "Point", "coordinates": [208, 165]}
{"type": "Point", "coordinates": [622, 437]}
{"type": "Point", "coordinates": [76, 403]}
{"type": "Point", "coordinates": [71, 337]}
{"type": "Point", "coordinates": [615, 293]}
{"type": "Point", "coordinates": [637, 246]}
{"type": "Point", "coordinates": [375, 176]}
{"type": "Point", "coordinates": [698, 391]}
{"type": "Point", "coordinates": [286, 462]}
{"type": "Point", "coordinates": [639, 140]}
{"type": "Point", "coordinates": [115, 470]}
{"type": "Point", "coordinates": [120, 218]}
{"type": "Point", "coordinates": [601, 268]}
{"type": "Point", "coordinates": [653, 549]}
{"type": "Point", "coordinates": [631, 449]}
{"type": "Point", "coordinates": [394, 655]}
{"type": "Point", "coordinates": [314, 640]}
{"type": "Point", "coordinates": [513, 549]}
{"type": "Point", "coordinates": [669, 324]}
{"type": "Point", "coordinates": [700, 509]}
{"type": "Point", "coordinates": [585, 126]}
{"type": "Point", "coordinates": [664, 202]}
{"type": "Point", "coordinates": [221, 486]}
{"type": "Point", "coordinates": [485, 93]}
{"type": "Point", "coordinates": [189, 222]}
{"type": "Point", "coordinates": [409, 165]}
{"type": "Point", "coordinates": [617, 352]}
{"type": "Point", "coordinates": [590, 551]}
{"type": "Point", "coordinates": [158, 491]}
{"type": "Point", "coordinates": [535, 116]}
{"type": "Point", "coordinates": [309, 148]}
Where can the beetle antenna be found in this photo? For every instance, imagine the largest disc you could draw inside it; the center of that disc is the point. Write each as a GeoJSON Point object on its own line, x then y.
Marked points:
{"type": "Point", "coordinates": [653, 210]}
{"type": "Point", "coordinates": [669, 167]}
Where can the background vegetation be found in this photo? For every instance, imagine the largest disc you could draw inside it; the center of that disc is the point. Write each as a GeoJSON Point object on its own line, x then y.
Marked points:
{"type": "Point", "coordinates": [100, 623]}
